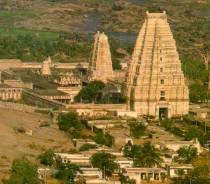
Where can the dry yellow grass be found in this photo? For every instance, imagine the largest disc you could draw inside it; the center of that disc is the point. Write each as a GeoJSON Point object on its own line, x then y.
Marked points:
{"type": "Point", "coordinates": [15, 145]}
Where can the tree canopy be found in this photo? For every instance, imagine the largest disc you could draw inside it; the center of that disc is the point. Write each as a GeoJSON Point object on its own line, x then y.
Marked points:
{"type": "Point", "coordinates": [47, 158]}
{"type": "Point", "coordinates": [66, 171]}
{"type": "Point", "coordinates": [105, 162]}
{"type": "Point", "coordinates": [186, 154]}
{"type": "Point", "coordinates": [23, 172]}
{"type": "Point", "coordinates": [143, 156]}
{"type": "Point", "coordinates": [69, 120]}
{"type": "Point", "coordinates": [90, 93]}
{"type": "Point", "coordinates": [199, 175]}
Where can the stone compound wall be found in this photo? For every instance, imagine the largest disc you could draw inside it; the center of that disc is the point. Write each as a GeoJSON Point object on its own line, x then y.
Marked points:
{"type": "Point", "coordinates": [38, 101]}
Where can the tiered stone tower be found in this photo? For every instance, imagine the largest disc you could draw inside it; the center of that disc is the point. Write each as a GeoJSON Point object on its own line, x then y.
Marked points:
{"type": "Point", "coordinates": [155, 83]}
{"type": "Point", "coordinates": [46, 67]}
{"type": "Point", "coordinates": [101, 63]}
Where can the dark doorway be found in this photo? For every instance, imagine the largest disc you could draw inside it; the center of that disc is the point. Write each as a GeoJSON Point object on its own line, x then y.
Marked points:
{"type": "Point", "coordinates": [163, 113]}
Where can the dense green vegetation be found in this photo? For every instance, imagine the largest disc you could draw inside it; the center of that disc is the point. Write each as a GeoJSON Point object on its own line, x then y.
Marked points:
{"type": "Point", "coordinates": [91, 93]}
{"type": "Point", "coordinates": [137, 129]}
{"type": "Point", "coordinates": [186, 155]}
{"type": "Point", "coordinates": [199, 175]}
{"type": "Point", "coordinates": [33, 46]}
{"type": "Point", "coordinates": [69, 120]}
{"type": "Point", "coordinates": [188, 128]}
{"type": "Point", "coordinates": [126, 180]}
{"type": "Point", "coordinates": [77, 128]}
{"type": "Point", "coordinates": [103, 139]}
{"type": "Point", "coordinates": [47, 158]}
{"type": "Point", "coordinates": [66, 172]}
{"type": "Point", "coordinates": [86, 147]}
{"type": "Point", "coordinates": [143, 156]}
{"type": "Point", "coordinates": [22, 172]}
{"type": "Point", "coordinates": [105, 162]}
{"type": "Point", "coordinates": [99, 93]}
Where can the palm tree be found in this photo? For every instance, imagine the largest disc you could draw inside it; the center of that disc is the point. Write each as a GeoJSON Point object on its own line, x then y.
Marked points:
{"type": "Point", "coordinates": [148, 157]}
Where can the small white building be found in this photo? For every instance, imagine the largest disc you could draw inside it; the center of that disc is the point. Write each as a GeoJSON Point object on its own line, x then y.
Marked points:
{"type": "Point", "coordinates": [146, 174]}
{"type": "Point", "coordinates": [90, 173]}
{"type": "Point", "coordinates": [176, 145]}
{"type": "Point", "coordinates": [175, 170]}
{"type": "Point", "coordinates": [124, 163]}
{"type": "Point", "coordinates": [79, 159]}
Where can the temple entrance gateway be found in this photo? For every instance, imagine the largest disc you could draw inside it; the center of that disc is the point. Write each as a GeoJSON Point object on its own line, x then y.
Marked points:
{"type": "Point", "coordinates": [163, 113]}
{"type": "Point", "coordinates": [155, 74]}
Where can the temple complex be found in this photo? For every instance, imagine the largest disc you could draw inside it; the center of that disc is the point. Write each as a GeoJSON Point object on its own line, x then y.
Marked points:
{"type": "Point", "coordinates": [101, 63]}
{"type": "Point", "coordinates": [156, 84]}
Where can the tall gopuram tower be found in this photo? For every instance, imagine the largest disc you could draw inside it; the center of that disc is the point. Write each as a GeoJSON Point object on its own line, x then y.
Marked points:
{"type": "Point", "coordinates": [100, 67]}
{"type": "Point", "coordinates": [156, 84]}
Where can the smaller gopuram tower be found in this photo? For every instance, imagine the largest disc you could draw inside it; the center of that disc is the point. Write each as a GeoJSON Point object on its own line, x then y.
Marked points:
{"type": "Point", "coordinates": [46, 67]}
{"type": "Point", "coordinates": [100, 67]}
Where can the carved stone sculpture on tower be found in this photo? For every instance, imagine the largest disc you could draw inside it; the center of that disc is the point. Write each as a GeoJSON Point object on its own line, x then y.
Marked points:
{"type": "Point", "coordinates": [155, 82]}
{"type": "Point", "coordinates": [100, 67]}
{"type": "Point", "coordinates": [46, 67]}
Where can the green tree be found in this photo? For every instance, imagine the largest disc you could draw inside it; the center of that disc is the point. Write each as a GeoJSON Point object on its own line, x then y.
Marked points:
{"type": "Point", "coordinates": [104, 139]}
{"type": "Point", "coordinates": [69, 120]}
{"type": "Point", "coordinates": [149, 156]}
{"type": "Point", "coordinates": [186, 154]}
{"type": "Point", "coordinates": [167, 124]}
{"type": "Point", "coordinates": [198, 93]}
{"type": "Point", "coordinates": [66, 171]}
{"type": "Point", "coordinates": [105, 162]}
{"type": "Point", "coordinates": [91, 92]}
{"type": "Point", "coordinates": [137, 129]}
{"type": "Point", "coordinates": [193, 132]}
{"type": "Point", "coordinates": [126, 180]}
{"type": "Point", "coordinates": [80, 180]}
{"type": "Point", "coordinates": [143, 156]}
{"type": "Point", "coordinates": [199, 175]}
{"type": "Point", "coordinates": [23, 172]}
{"type": "Point", "coordinates": [132, 151]}
{"type": "Point", "coordinates": [47, 158]}
{"type": "Point", "coordinates": [87, 146]}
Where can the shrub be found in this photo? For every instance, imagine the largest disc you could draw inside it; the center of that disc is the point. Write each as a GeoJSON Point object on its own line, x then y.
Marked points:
{"type": "Point", "coordinates": [47, 158]}
{"type": "Point", "coordinates": [91, 92]}
{"type": "Point", "coordinates": [137, 130]}
{"type": "Point", "coordinates": [167, 124]}
{"type": "Point", "coordinates": [104, 139]}
{"type": "Point", "coordinates": [69, 120]}
{"type": "Point", "coordinates": [23, 171]}
{"type": "Point", "coordinates": [105, 162]}
{"type": "Point", "coordinates": [87, 147]}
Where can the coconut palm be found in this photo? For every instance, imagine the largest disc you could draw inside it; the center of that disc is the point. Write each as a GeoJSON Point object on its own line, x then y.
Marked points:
{"type": "Point", "coordinates": [150, 156]}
